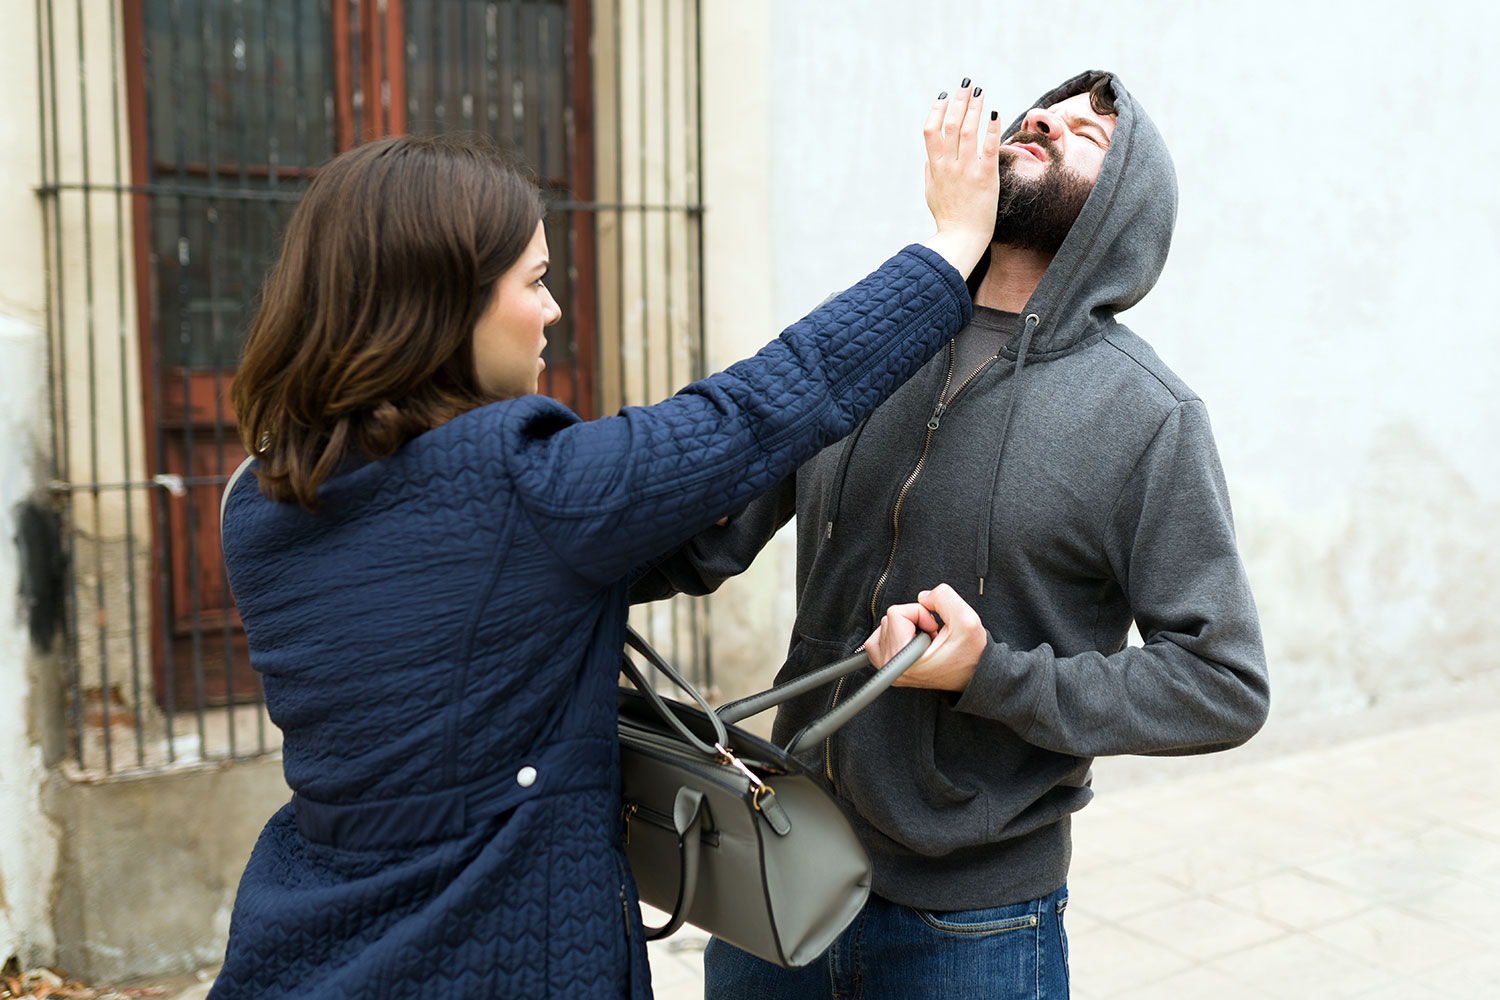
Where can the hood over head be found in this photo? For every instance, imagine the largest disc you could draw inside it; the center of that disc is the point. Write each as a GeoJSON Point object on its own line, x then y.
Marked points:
{"type": "Point", "coordinates": [1117, 247]}
{"type": "Point", "coordinates": [1112, 255]}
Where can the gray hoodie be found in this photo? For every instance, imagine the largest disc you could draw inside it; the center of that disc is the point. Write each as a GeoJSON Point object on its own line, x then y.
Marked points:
{"type": "Point", "coordinates": [1068, 488]}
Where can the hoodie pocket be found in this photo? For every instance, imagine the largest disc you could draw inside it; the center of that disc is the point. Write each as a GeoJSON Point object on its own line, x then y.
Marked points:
{"type": "Point", "coordinates": [937, 787]}
{"type": "Point", "coordinates": [886, 772]}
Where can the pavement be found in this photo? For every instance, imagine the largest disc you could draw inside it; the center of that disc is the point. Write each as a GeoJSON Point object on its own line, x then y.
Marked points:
{"type": "Point", "coordinates": [1358, 858]}
{"type": "Point", "coordinates": [1355, 857]}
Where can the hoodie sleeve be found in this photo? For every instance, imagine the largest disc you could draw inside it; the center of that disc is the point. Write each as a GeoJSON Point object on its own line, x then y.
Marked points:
{"type": "Point", "coordinates": [719, 552]}
{"type": "Point", "coordinates": [1199, 682]}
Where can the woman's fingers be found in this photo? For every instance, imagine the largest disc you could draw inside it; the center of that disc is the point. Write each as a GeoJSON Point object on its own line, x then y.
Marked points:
{"type": "Point", "coordinates": [953, 119]}
{"type": "Point", "coordinates": [968, 129]}
{"type": "Point", "coordinates": [961, 177]}
{"type": "Point", "coordinates": [958, 126]}
{"type": "Point", "coordinates": [989, 149]}
{"type": "Point", "coordinates": [932, 129]}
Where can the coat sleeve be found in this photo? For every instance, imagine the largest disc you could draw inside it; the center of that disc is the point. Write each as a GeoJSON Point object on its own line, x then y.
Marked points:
{"type": "Point", "coordinates": [611, 494]}
{"type": "Point", "coordinates": [719, 551]}
{"type": "Point", "coordinates": [1199, 682]}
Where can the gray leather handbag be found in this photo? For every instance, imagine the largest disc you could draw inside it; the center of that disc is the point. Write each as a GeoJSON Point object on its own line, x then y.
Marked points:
{"type": "Point", "coordinates": [727, 831]}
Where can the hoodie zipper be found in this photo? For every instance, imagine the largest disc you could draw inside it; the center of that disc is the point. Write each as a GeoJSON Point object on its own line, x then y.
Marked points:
{"type": "Point", "coordinates": [944, 403]}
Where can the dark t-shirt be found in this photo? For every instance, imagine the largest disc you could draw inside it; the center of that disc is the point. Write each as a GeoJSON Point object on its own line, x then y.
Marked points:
{"type": "Point", "coordinates": [981, 340]}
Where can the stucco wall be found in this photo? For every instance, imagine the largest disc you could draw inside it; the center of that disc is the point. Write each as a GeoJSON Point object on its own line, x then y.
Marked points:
{"type": "Point", "coordinates": [750, 616]}
{"type": "Point", "coordinates": [150, 866]}
{"type": "Point", "coordinates": [28, 838]}
{"type": "Point", "coordinates": [1325, 292]}
{"type": "Point", "coordinates": [1325, 295]}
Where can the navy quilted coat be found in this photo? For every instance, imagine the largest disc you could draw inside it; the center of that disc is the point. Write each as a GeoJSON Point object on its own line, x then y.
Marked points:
{"type": "Point", "coordinates": [440, 647]}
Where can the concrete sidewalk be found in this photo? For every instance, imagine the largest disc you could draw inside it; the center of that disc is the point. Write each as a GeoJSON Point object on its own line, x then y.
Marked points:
{"type": "Point", "coordinates": [1359, 859]}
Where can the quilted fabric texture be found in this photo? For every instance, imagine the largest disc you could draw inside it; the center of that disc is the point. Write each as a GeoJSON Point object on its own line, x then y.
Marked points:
{"type": "Point", "coordinates": [440, 648]}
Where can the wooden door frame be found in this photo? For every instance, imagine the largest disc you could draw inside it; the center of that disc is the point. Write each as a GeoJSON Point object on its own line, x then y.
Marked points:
{"type": "Point", "coordinates": [379, 44]}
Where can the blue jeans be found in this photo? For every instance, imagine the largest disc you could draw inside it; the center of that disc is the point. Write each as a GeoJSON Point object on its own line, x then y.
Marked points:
{"type": "Point", "coordinates": [894, 952]}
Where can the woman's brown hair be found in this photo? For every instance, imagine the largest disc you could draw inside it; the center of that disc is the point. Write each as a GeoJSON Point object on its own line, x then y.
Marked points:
{"type": "Point", "coordinates": [363, 336]}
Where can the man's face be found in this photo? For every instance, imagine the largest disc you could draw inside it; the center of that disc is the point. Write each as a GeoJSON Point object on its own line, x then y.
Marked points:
{"type": "Point", "coordinates": [1047, 170]}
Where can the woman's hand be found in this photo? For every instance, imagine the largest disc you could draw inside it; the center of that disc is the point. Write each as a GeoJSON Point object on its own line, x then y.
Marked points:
{"type": "Point", "coordinates": [950, 661]}
{"type": "Point", "coordinates": [962, 177]}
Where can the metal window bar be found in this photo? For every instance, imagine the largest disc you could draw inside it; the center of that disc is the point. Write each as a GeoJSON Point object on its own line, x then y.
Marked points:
{"type": "Point", "coordinates": [176, 136]}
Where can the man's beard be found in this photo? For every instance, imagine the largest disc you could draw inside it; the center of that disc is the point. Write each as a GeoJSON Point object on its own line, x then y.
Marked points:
{"type": "Point", "coordinates": [1037, 214]}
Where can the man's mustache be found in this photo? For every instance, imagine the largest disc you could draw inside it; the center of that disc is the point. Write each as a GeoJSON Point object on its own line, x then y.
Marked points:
{"type": "Point", "coordinates": [1039, 139]}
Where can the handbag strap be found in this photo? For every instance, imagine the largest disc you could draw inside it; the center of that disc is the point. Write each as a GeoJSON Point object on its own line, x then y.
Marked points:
{"type": "Point", "coordinates": [811, 734]}
{"type": "Point", "coordinates": [687, 820]}
{"type": "Point", "coordinates": [234, 477]}
{"type": "Point", "coordinates": [635, 642]}
{"type": "Point", "coordinates": [818, 730]}
{"type": "Point", "coordinates": [754, 704]}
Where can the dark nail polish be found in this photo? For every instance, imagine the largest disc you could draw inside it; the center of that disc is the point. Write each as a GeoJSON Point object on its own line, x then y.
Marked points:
{"type": "Point", "coordinates": [943, 96]}
{"type": "Point", "coordinates": [978, 91]}
{"type": "Point", "coordinates": [994, 115]}
{"type": "Point", "coordinates": [965, 83]}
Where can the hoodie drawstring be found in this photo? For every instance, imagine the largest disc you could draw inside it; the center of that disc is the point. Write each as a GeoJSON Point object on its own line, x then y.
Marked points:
{"type": "Point", "coordinates": [983, 554]}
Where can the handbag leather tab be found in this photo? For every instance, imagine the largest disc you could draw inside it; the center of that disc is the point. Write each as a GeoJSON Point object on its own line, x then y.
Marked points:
{"type": "Point", "coordinates": [772, 811]}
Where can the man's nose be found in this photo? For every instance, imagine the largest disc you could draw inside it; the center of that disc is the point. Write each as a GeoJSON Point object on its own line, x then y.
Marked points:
{"type": "Point", "coordinates": [1043, 121]}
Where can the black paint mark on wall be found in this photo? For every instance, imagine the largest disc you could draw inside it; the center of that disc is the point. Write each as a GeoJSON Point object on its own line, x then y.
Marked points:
{"type": "Point", "coordinates": [39, 538]}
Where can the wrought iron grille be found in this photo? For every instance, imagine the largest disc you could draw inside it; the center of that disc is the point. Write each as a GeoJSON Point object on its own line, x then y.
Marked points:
{"type": "Point", "coordinates": [177, 135]}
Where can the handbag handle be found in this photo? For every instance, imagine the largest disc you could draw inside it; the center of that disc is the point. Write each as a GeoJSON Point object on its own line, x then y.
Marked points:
{"type": "Point", "coordinates": [814, 732]}
{"type": "Point", "coordinates": [635, 642]}
{"type": "Point", "coordinates": [754, 704]}
{"type": "Point", "coordinates": [818, 730]}
{"type": "Point", "coordinates": [687, 820]}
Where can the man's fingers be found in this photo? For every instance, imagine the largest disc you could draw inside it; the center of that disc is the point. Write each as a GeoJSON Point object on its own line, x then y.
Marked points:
{"type": "Point", "coordinates": [945, 601]}
{"type": "Point", "coordinates": [896, 629]}
{"type": "Point", "coordinates": [913, 617]}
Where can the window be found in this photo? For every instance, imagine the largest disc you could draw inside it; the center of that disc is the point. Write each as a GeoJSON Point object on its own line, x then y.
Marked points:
{"type": "Point", "coordinates": [178, 136]}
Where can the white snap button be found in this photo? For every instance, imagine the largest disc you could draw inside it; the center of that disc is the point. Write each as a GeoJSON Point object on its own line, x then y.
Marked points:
{"type": "Point", "coordinates": [526, 776]}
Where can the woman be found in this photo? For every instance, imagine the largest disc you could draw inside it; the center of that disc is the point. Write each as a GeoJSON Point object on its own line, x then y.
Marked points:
{"type": "Point", "coordinates": [432, 574]}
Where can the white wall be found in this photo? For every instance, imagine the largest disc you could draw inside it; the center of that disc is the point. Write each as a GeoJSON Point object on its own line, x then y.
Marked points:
{"type": "Point", "coordinates": [28, 839]}
{"type": "Point", "coordinates": [1326, 294]}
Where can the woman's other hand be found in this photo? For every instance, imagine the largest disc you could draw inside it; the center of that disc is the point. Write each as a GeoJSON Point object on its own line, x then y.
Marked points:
{"type": "Point", "coordinates": [962, 176]}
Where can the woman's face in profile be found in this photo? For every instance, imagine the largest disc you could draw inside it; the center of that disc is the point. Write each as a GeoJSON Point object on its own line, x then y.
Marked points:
{"type": "Point", "coordinates": [508, 339]}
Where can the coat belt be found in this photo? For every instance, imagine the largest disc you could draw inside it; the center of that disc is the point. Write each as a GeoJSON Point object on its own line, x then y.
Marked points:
{"type": "Point", "coordinates": [565, 766]}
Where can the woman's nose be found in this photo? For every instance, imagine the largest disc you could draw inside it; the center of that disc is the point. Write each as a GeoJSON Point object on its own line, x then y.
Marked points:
{"type": "Point", "coordinates": [1043, 121]}
{"type": "Point", "coordinates": [555, 312]}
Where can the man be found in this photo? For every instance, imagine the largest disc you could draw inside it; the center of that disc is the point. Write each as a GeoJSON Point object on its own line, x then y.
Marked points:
{"type": "Point", "coordinates": [1040, 486]}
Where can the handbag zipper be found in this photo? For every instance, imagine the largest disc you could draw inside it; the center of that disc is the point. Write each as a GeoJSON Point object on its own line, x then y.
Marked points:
{"type": "Point", "coordinates": [661, 820]}
{"type": "Point", "coordinates": [670, 751]}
